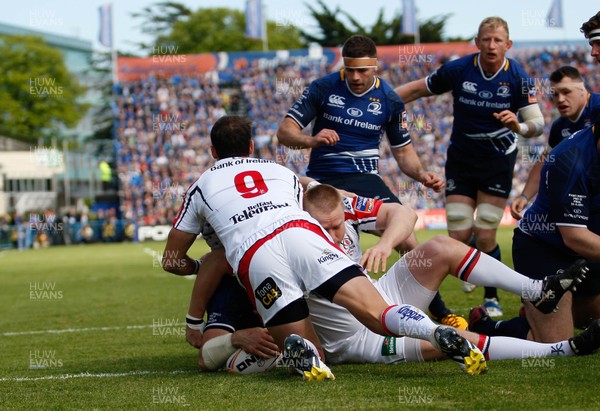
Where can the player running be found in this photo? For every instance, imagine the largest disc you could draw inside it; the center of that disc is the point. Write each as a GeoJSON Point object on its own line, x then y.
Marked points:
{"type": "Point", "coordinates": [490, 92]}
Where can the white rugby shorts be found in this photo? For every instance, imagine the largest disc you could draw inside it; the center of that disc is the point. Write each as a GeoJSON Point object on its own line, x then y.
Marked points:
{"type": "Point", "coordinates": [298, 256]}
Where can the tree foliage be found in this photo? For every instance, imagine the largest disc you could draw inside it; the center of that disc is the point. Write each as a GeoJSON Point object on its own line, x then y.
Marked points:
{"type": "Point", "coordinates": [335, 26]}
{"type": "Point", "coordinates": [177, 30]}
{"type": "Point", "coordinates": [37, 94]}
{"type": "Point", "coordinates": [159, 18]}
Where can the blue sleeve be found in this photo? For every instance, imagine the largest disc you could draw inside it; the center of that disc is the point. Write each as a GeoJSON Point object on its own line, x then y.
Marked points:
{"type": "Point", "coordinates": [443, 79]}
{"type": "Point", "coordinates": [397, 128]}
{"type": "Point", "coordinates": [306, 107]}
{"type": "Point", "coordinates": [569, 205]}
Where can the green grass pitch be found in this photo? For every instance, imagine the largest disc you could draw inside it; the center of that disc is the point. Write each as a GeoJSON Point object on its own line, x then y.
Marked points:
{"type": "Point", "coordinates": [101, 327]}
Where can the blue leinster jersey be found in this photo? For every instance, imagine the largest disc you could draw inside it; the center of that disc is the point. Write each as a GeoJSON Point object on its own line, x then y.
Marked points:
{"type": "Point", "coordinates": [359, 120]}
{"type": "Point", "coordinates": [569, 193]}
{"type": "Point", "coordinates": [563, 128]}
{"type": "Point", "coordinates": [477, 97]}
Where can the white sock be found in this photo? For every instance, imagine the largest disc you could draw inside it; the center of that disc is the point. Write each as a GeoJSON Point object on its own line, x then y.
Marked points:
{"type": "Point", "coordinates": [505, 348]}
{"type": "Point", "coordinates": [408, 320]}
{"type": "Point", "coordinates": [481, 269]}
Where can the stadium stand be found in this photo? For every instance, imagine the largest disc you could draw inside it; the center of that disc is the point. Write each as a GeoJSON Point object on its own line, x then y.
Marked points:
{"type": "Point", "coordinates": [162, 139]}
{"type": "Point", "coordinates": [163, 126]}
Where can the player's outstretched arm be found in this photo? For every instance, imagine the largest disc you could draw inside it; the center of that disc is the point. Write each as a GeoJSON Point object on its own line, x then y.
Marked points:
{"type": "Point", "coordinates": [213, 266]}
{"type": "Point", "coordinates": [397, 223]}
{"type": "Point", "coordinates": [290, 134]}
{"type": "Point", "coordinates": [413, 90]}
{"type": "Point", "coordinates": [409, 164]}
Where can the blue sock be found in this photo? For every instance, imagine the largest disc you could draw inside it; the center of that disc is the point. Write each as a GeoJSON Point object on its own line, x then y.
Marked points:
{"type": "Point", "coordinates": [492, 292]}
{"type": "Point", "coordinates": [438, 308]}
{"type": "Point", "coordinates": [516, 327]}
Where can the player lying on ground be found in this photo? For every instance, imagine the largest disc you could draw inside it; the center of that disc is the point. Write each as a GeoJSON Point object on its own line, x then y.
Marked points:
{"type": "Point", "coordinates": [412, 280]}
{"type": "Point", "coordinates": [279, 252]}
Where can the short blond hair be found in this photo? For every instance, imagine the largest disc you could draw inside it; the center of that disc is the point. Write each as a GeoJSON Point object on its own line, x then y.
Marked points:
{"type": "Point", "coordinates": [493, 23]}
{"type": "Point", "coordinates": [323, 198]}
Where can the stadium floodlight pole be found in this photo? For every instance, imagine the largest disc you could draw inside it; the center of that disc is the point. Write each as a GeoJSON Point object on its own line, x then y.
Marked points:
{"type": "Point", "coordinates": [115, 76]}
{"type": "Point", "coordinates": [113, 54]}
{"type": "Point", "coordinates": [66, 179]}
{"type": "Point", "coordinates": [265, 39]}
{"type": "Point", "coordinates": [106, 36]}
{"type": "Point", "coordinates": [410, 24]}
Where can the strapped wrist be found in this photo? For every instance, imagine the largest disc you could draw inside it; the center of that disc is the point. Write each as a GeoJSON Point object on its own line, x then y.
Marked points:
{"type": "Point", "coordinates": [194, 323]}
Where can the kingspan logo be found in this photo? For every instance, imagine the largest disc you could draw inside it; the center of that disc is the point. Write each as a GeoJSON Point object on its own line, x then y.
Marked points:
{"type": "Point", "coordinates": [408, 313]}
{"type": "Point", "coordinates": [328, 256]}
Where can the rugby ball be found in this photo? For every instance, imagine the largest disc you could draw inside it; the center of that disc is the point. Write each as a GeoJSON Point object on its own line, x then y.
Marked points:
{"type": "Point", "coordinates": [242, 362]}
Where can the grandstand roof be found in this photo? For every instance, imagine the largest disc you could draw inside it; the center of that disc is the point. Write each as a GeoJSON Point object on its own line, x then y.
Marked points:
{"type": "Point", "coordinates": [64, 42]}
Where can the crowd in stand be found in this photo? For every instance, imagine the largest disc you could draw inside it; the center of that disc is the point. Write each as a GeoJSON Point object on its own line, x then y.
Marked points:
{"type": "Point", "coordinates": [46, 228]}
{"type": "Point", "coordinates": [162, 135]}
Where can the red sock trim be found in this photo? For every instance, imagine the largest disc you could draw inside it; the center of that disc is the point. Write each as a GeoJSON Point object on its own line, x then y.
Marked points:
{"type": "Point", "coordinates": [484, 344]}
{"type": "Point", "coordinates": [388, 332]}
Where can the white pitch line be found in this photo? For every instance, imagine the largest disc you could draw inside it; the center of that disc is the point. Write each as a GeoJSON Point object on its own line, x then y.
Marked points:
{"type": "Point", "coordinates": [76, 330]}
{"type": "Point", "coordinates": [90, 375]}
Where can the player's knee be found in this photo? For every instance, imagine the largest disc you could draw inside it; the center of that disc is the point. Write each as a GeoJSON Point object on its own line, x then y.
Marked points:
{"type": "Point", "coordinates": [459, 216]}
{"type": "Point", "coordinates": [488, 216]}
{"type": "Point", "coordinates": [434, 245]}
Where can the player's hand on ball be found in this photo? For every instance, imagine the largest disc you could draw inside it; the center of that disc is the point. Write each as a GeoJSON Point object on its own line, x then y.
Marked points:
{"type": "Point", "coordinates": [193, 337]}
{"type": "Point", "coordinates": [255, 341]}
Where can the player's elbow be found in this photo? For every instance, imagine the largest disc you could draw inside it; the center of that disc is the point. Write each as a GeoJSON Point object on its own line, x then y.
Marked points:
{"type": "Point", "coordinates": [171, 265]}
{"type": "Point", "coordinates": [534, 121]}
{"type": "Point", "coordinates": [577, 244]}
{"type": "Point", "coordinates": [286, 131]}
{"type": "Point", "coordinates": [205, 365]}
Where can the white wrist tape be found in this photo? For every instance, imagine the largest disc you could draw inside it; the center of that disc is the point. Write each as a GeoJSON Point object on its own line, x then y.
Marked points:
{"type": "Point", "coordinates": [194, 323]}
{"type": "Point", "coordinates": [523, 129]}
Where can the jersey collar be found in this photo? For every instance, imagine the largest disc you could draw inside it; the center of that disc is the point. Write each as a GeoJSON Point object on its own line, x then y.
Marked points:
{"type": "Point", "coordinates": [375, 84]}
{"type": "Point", "coordinates": [587, 104]}
{"type": "Point", "coordinates": [477, 63]}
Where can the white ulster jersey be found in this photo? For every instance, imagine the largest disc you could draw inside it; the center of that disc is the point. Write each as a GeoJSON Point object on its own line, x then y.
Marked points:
{"type": "Point", "coordinates": [243, 199]}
